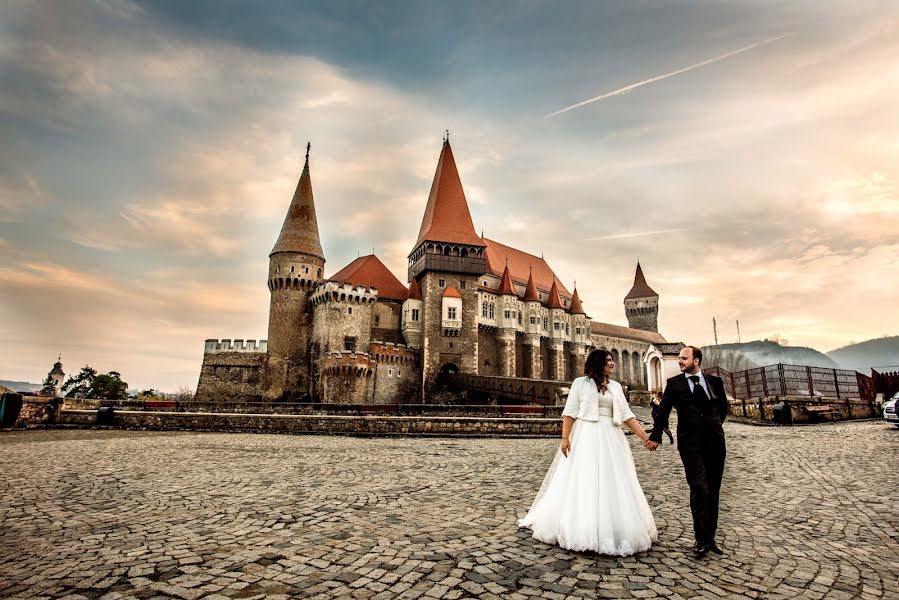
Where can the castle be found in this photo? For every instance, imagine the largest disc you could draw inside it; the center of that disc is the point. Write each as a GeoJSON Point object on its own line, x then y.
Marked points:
{"type": "Point", "coordinates": [473, 305]}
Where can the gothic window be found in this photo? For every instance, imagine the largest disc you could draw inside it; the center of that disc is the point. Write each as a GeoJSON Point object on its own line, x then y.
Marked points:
{"type": "Point", "coordinates": [414, 314]}
{"type": "Point", "coordinates": [461, 285]}
{"type": "Point", "coordinates": [507, 314]}
{"type": "Point", "coordinates": [519, 317]}
{"type": "Point", "coordinates": [484, 310]}
{"type": "Point", "coordinates": [441, 282]}
{"type": "Point", "coordinates": [319, 273]}
{"type": "Point", "coordinates": [533, 320]}
{"type": "Point", "coordinates": [577, 330]}
{"type": "Point", "coordinates": [567, 332]}
{"type": "Point", "coordinates": [492, 311]}
{"type": "Point", "coordinates": [545, 323]}
{"type": "Point", "coordinates": [556, 325]}
{"type": "Point", "coordinates": [349, 343]}
{"type": "Point", "coordinates": [451, 313]}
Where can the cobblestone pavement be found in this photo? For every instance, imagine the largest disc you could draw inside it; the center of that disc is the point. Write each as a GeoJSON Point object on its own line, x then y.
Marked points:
{"type": "Point", "coordinates": [806, 512]}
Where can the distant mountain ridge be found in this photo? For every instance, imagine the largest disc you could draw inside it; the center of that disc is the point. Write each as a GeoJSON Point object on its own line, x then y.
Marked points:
{"type": "Point", "coordinates": [21, 386]}
{"type": "Point", "coordinates": [879, 352]}
{"type": "Point", "coordinates": [765, 352]}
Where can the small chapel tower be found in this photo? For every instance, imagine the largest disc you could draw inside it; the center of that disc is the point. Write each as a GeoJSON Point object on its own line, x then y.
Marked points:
{"type": "Point", "coordinates": [641, 305]}
{"type": "Point", "coordinates": [296, 267]}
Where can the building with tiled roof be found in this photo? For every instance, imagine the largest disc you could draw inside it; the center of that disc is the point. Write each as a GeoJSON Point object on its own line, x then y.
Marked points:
{"type": "Point", "coordinates": [473, 305]}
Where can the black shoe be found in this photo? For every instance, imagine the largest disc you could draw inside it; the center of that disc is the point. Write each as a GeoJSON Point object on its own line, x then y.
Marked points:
{"type": "Point", "coordinates": [700, 549]}
{"type": "Point", "coordinates": [713, 547]}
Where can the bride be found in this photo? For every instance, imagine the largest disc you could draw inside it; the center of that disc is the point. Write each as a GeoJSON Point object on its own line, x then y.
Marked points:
{"type": "Point", "coordinates": [590, 498]}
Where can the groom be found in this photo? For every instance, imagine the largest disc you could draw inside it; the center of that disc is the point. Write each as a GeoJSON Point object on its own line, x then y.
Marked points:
{"type": "Point", "coordinates": [701, 409]}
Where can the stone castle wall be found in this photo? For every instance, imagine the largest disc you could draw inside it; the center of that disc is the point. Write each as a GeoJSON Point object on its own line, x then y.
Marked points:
{"type": "Point", "coordinates": [229, 375]}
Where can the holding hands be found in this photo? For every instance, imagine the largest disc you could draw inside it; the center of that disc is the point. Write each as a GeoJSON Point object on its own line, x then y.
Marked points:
{"type": "Point", "coordinates": [650, 445]}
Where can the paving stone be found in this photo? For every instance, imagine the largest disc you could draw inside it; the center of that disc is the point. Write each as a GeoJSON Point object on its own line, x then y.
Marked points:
{"type": "Point", "coordinates": [805, 512]}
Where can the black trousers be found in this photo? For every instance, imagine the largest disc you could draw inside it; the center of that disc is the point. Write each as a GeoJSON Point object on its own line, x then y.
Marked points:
{"type": "Point", "coordinates": [704, 467]}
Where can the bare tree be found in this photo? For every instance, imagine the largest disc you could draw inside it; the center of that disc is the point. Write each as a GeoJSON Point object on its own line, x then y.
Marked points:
{"type": "Point", "coordinates": [730, 360]}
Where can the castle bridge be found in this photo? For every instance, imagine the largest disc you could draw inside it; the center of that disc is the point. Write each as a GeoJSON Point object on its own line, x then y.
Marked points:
{"type": "Point", "coordinates": [514, 390]}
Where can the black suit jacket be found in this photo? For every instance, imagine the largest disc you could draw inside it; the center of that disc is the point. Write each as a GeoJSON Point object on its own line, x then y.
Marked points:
{"type": "Point", "coordinates": [697, 422]}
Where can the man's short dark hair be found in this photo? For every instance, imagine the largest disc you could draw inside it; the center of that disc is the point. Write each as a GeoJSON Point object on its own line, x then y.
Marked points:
{"type": "Point", "coordinates": [697, 353]}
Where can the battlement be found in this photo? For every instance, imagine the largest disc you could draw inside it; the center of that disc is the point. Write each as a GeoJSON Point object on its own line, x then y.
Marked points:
{"type": "Point", "coordinates": [390, 353]}
{"type": "Point", "coordinates": [349, 363]}
{"type": "Point", "coordinates": [227, 345]}
{"type": "Point", "coordinates": [332, 291]}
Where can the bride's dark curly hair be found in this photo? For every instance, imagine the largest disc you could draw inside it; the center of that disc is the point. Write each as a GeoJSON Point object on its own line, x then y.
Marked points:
{"type": "Point", "coordinates": [595, 367]}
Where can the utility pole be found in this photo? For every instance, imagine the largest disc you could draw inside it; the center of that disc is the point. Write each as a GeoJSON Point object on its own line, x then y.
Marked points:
{"type": "Point", "coordinates": [738, 331]}
{"type": "Point", "coordinates": [715, 329]}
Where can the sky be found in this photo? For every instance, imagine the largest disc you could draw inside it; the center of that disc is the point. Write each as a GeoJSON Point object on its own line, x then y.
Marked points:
{"type": "Point", "coordinates": [747, 154]}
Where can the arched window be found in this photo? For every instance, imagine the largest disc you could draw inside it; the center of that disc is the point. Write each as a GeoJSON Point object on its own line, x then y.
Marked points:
{"type": "Point", "coordinates": [492, 311]}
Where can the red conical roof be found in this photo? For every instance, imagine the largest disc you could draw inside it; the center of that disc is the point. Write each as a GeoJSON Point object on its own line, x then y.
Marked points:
{"type": "Point", "coordinates": [640, 289]}
{"type": "Point", "coordinates": [446, 217]}
{"type": "Point", "coordinates": [576, 308]}
{"type": "Point", "coordinates": [554, 300]}
{"type": "Point", "coordinates": [520, 264]}
{"type": "Point", "coordinates": [299, 233]}
{"type": "Point", "coordinates": [505, 286]}
{"type": "Point", "coordinates": [530, 292]}
{"type": "Point", "coordinates": [414, 290]}
{"type": "Point", "coordinates": [371, 272]}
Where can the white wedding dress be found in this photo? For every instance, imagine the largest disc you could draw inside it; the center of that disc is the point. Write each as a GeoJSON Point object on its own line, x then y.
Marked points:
{"type": "Point", "coordinates": [592, 500]}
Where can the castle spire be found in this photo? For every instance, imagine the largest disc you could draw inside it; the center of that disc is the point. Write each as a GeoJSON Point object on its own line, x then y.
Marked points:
{"type": "Point", "coordinates": [640, 289]}
{"type": "Point", "coordinates": [576, 308]}
{"type": "Point", "coordinates": [299, 233]}
{"type": "Point", "coordinates": [447, 218]}
{"type": "Point", "coordinates": [505, 286]}
{"type": "Point", "coordinates": [530, 291]}
{"type": "Point", "coordinates": [554, 300]}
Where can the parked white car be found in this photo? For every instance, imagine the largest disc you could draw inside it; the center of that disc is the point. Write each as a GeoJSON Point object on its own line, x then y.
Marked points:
{"type": "Point", "coordinates": [889, 410]}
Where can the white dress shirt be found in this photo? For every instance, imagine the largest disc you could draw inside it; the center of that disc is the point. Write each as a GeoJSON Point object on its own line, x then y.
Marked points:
{"type": "Point", "coordinates": [702, 382]}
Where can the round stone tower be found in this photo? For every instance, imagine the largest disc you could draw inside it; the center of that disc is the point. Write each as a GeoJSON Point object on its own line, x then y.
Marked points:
{"type": "Point", "coordinates": [296, 267]}
{"type": "Point", "coordinates": [641, 305]}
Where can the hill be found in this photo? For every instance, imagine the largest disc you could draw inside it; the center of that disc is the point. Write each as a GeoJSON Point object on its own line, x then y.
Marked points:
{"type": "Point", "coordinates": [21, 386]}
{"type": "Point", "coordinates": [766, 352]}
{"type": "Point", "coordinates": [880, 352]}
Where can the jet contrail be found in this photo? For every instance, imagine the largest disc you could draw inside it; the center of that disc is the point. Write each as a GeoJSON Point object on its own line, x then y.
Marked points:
{"type": "Point", "coordinates": [627, 235]}
{"type": "Point", "coordinates": [632, 86]}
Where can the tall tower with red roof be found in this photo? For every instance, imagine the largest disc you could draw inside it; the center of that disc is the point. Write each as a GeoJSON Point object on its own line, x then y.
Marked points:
{"type": "Point", "coordinates": [446, 262]}
{"type": "Point", "coordinates": [296, 267]}
{"type": "Point", "coordinates": [641, 305]}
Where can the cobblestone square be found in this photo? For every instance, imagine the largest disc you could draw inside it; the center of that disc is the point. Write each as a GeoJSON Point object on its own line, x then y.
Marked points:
{"type": "Point", "coordinates": [806, 512]}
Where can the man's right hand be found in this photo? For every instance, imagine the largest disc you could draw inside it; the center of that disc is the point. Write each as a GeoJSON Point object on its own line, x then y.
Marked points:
{"type": "Point", "coordinates": [566, 447]}
{"type": "Point", "coordinates": [651, 445]}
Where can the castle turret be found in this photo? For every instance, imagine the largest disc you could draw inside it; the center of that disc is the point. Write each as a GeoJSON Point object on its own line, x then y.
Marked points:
{"type": "Point", "coordinates": [641, 305]}
{"type": "Point", "coordinates": [448, 254]}
{"type": "Point", "coordinates": [558, 322]}
{"type": "Point", "coordinates": [508, 324]}
{"type": "Point", "coordinates": [580, 335]}
{"type": "Point", "coordinates": [533, 326]}
{"type": "Point", "coordinates": [296, 267]}
{"type": "Point", "coordinates": [412, 316]}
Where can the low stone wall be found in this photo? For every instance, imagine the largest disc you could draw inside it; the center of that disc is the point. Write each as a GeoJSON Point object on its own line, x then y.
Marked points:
{"type": "Point", "coordinates": [320, 424]}
{"type": "Point", "coordinates": [762, 409]}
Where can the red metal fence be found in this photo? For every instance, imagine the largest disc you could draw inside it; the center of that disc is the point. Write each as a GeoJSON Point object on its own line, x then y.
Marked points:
{"type": "Point", "coordinates": [796, 380]}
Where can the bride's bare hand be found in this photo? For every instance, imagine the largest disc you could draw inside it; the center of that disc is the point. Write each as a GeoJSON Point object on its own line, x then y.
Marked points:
{"type": "Point", "coordinates": [566, 447]}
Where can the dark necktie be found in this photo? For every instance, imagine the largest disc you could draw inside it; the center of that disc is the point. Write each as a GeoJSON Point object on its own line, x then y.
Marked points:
{"type": "Point", "coordinates": [698, 391]}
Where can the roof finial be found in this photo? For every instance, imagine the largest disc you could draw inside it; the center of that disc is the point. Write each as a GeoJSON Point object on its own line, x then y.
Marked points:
{"type": "Point", "coordinates": [308, 146]}
{"type": "Point", "coordinates": [447, 136]}
{"type": "Point", "coordinates": [575, 284]}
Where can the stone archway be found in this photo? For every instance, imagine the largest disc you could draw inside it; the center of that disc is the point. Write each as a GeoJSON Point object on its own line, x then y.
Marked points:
{"type": "Point", "coordinates": [449, 368]}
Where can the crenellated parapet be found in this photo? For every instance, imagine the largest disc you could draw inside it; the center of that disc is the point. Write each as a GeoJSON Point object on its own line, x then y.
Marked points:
{"type": "Point", "coordinates": [358, 364]}
{"type": "Point", "coordinates": [226, 345]}
{"type": "Point", "coordinates": [331, 291]}
{"type": "Point", "coordinates": [394, 354]}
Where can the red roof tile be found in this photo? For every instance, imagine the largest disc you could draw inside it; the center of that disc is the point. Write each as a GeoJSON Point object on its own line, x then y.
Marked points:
{"type": "Point", "coordinates": [521, 265]}
{"type": "Point", "coordinates": [299, 232]}
{"type": "Point", "coordinates": [554, 301]}
{"type": "Point", "coordinates": [505, 286]}
{"type": "Point", "coordinates": [371, 272]}
{"type": "Point", "coordinates": [640, 289]}
{"type": "Point", "coordinates": [446, 217]}
{"type": "Point", "coordinates": [451, 292]}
